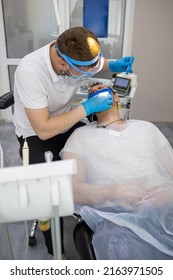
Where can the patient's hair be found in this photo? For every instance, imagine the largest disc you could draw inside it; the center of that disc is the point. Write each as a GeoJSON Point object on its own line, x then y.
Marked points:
{"type": "Point", "coordinates": [79, 43]}
{"type": "Point", "coordinates": [96, 86]}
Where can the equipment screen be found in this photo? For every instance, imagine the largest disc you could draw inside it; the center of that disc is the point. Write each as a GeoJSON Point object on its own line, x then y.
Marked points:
{"type": "Point", "coordinates": [121, 83]}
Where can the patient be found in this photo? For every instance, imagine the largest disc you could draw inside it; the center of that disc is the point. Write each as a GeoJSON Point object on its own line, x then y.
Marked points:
{"type": "Point", "coordinates": [120, 164]}
{"type": "Point", "coordinates": [159, 197]}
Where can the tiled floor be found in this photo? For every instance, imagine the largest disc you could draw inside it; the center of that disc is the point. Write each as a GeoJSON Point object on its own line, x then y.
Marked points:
{"type": "Point", "coordinates": [19, 242]}
{"type": "Point", "coordinates": [17, 230]}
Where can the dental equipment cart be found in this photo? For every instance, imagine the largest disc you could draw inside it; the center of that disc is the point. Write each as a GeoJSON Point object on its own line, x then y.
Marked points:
{"type": "Point", "coordinates": [40, 190]}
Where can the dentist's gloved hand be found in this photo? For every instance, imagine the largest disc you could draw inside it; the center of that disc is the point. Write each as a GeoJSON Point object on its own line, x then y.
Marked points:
{"type": "Point", "coordinates": [123, 64]}
{"type": "Point", "coordinates": [98, 103]}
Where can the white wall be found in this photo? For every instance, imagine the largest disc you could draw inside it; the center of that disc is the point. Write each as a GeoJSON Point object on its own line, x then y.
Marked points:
{"type": "Point", "coordinates": [152, 46]}
{"type": "Point", "coordinates": [42, 29]}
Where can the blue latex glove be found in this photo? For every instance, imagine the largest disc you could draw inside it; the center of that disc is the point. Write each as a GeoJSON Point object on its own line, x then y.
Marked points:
{"type": "Point", "coordinates": [98, 103]}
{"type": "Point", "coordinates": [123, 64]}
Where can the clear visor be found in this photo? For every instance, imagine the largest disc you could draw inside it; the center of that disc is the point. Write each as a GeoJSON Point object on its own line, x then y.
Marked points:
{"type": "Point", "coordinates": [91, 71]}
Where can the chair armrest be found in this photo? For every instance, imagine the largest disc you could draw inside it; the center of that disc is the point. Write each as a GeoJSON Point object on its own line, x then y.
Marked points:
{"type": "Point", "coordinates": [6, 100]}
{"type": "Point", "coordinates": [82, 235]}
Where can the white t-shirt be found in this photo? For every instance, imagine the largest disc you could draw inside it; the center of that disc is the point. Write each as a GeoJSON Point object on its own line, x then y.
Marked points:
{"type": "Point", "coordinates": [38, 86]}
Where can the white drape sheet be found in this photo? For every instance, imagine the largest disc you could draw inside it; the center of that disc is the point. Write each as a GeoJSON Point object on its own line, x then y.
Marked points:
{"type": "Point", "coordinates": [135, 158]}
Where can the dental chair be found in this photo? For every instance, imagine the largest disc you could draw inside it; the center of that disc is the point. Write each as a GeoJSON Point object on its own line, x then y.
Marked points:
{"type": "Point", "coordinates": [7, 100]}
{"type": "Point", "coordinates": [82, 235]}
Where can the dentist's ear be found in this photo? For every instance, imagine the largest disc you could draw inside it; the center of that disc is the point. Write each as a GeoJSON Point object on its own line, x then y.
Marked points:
{"type": "Point", "coordinates": [62, 62]}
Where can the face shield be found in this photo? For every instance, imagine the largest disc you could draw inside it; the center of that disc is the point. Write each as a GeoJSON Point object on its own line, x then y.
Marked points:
{"type": "Point", "coordinates": [74, 63]}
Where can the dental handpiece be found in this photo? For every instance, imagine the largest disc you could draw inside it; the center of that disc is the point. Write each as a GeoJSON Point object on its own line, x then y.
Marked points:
{"type": "Point", "coordinates": [127, 70]}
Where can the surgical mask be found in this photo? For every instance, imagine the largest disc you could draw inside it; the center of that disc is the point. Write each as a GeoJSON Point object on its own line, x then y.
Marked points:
{"type": "Point", "coordinates": [75, 77]}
